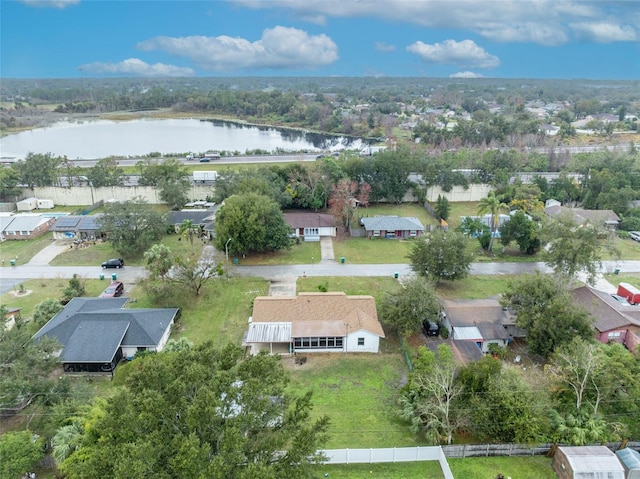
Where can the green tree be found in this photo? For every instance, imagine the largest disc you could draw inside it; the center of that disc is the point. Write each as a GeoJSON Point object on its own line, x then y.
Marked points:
{"type": "Point", "coordinates": [428, 399]}
{"type": "Point", "coordinates": [46, 310]}
{"type": "Point", "coordinates": [74, 289]}
{"type": "Point", "coordinates": [153, 172]}
{"type": "Point", "coordinates": [253, 223]}
{"type": "Point", "coordinates": [443, 207]}
{"type": "Point", "coordinates": [573, 248]}
{"type": "Point", "coordinates": [106, 172]}
{"type": "Point", "coordinates": [188, 229]}
{"type": "Point", "coordinates": [159, 261]}
{"type": "Point", "coordinates": [25, 367]}
{"type": "Point", "coordinates": [442, 255]}
{"type": "Point", "coordinates": [173, 192]}
{"type": "Point", "coordinates": [9, 180]}
{"type": "Point", "coordinates": [508, 410]}
{"type": "Point", "coordinates": [131, 226]}
{"type": "Point", "coordinates": [491, 204]}
{"type": "Point", "coordinates": [544, 308]}
{"type": "Point", "coordinates": [66, 440]}
{"type": "Point", "coordinates": [522, 230]}
{"type": "Point", "coordinates": [38, 169]}
{"type": "Point", "coordinates": [20, 452]}
{"type": "Point", "coordinates": [202, 412]}
{"type": "Point", "coordinates": [408, 306]}
{"type": "Point", "coordinates": [194, 273]}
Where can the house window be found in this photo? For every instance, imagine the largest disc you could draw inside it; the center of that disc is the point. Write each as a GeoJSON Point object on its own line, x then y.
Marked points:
{"type": "Point", "coordinates": [360, 341]}
{"type": "Point", "coordinates": [614, 334]}
{"type": "Point", "coordinates": [311, 231]}
{"type": "Point", "coordinates": [317, 343]}
{"type": "Point", "coordinates": [24, 233]}
{"type": "Point", "coordinates": [412, 233]}
{"type": "Point", "coordinates": [376, 233]}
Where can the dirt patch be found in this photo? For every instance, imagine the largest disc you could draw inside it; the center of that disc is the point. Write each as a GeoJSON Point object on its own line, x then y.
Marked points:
{"type": "Point", "coordinates": [21, 294]}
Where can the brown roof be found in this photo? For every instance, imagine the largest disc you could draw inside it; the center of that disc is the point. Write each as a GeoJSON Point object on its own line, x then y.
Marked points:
{"type": "Point", "coordinates": [318, 314]}
{"type": "Point", "coordinates": [608, 313]}
{"type": "Point", "coordinates": [309, 220]}
{"type": "Point", "coordinates": [487, 315]}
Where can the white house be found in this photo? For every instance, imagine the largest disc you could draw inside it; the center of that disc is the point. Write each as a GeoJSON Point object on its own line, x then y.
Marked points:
{"type": "Point", "coordinates": [314, 322]}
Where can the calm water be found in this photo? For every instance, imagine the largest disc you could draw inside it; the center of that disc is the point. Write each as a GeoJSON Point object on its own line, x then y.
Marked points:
{"type": "Point", "coordinates": [102, 138]}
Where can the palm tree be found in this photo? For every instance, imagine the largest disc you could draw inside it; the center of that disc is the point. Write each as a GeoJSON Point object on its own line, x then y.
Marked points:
{"type": "Point", "coordinates": [491, 204]}
{"type": "Point", "coordinates": [188, 229]}
{"type": "Point", "coordinates": [66, 440]}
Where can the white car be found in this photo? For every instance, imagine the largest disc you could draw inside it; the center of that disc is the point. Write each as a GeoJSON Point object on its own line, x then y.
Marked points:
{"type": "Point", "coordinates": [634, 235]}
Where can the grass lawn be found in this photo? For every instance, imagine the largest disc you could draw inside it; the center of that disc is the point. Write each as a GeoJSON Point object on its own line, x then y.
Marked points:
{"type": "Point", "coordinates": [219, 314]}
{"type": "Point", "coordinates": [398, 470]}
{"type": "Point", "coordinates": [527, 467]}
{"type": "Point", "coordinates": [631, 278]}
{"type": "Point", "coordinates": [376, 251]}
{"type": "Point", "coordinates": [474, 287]}
{"type": "Point", "coordinates": [41, 289]}
{"type": "Point", "coordinates": [358, 393]}
{"type": "Point", "coordinates": [23, 250]}
{"type": "Point", "coordinates": [302, 253]}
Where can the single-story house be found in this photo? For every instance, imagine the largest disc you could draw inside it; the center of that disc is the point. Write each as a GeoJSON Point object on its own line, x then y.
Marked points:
{"type": "Point", "coordinates": [613, 321]}
{"type": "Point", "coordinates": [586, 462]}
{"type": "Point", "coordinates": [314, 322]}
{"type": "Point", "coordinates": [464, 352]}
{"type": "Point", "coordinates": [202, 218]}
{"type": "Point", "coordinates": [23, 227]}
{"type": "Point", "coordinates": [97, 333]}
{"type": "Point", "coordinates": [77, 227]}
{"type": "Point", "coordinates": [5, 219]}
{"type": "Point", "coordinates": [481, 321]}
{"type": "Point", "coordinates": [392, 226]}
{"type": "Point", "coordinates": [581, 216]}
{"type": "Point", "coordinates": [311, 226]}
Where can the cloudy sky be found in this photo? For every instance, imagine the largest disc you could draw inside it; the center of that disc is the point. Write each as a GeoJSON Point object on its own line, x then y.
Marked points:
{"type": "Point", "coordinates": [435, 38]}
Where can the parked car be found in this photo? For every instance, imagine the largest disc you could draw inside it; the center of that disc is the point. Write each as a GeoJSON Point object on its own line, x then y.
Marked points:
{"type": "Point", "coordinates": [634, 235]}
{"type": "Point", "coordinates": [205, 160]}
{"type": "Point", "coordinates": [113, 263]}
{"type": "Point", "coordinates": [114, 290]}
{"type": "Point", "coordinates": [430, 327]}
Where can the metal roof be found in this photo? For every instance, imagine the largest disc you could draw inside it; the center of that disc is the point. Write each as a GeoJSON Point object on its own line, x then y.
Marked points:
{"type": "Point", "coordinates": [468, 333]}
{"type": "Point", "coordinates": [269, 333]}
{"type": "Point", "coordinates": [392, 223]}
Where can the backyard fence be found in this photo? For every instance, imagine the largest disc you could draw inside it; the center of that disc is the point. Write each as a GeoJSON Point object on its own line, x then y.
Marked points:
{"type": "Point", "coordinates": [357, 232]}
{"type": "Point", "coordinates": [486, 450]}
{"type": "Point", "coordinates": [389, 454]}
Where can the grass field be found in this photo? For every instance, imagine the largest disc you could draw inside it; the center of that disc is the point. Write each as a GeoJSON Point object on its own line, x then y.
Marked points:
{"type": "Point", "coordinates": [23, 250]}
{"type": "Point", "coordinates": [536, 467]}
{"type": "Point", "coordinates": [302, 253]}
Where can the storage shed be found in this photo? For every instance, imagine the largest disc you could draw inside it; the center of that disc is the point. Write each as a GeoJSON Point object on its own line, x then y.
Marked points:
{"type": "Point", "coordinates": [630, 460]}
{"type": "Point", "coordinates": [28, 204]}
{"type": "Point", "coordinates": [587, 462]}
{"type": "Point", "coordinates": [45, 204]}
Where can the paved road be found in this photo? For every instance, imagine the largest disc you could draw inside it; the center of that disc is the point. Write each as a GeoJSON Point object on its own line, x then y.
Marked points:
{"type": "Point", "coordinates": [13, 275]}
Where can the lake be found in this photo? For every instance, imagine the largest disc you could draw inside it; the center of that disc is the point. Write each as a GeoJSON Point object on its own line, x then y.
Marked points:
{"type": "Point", "coordinates": [103, 138]}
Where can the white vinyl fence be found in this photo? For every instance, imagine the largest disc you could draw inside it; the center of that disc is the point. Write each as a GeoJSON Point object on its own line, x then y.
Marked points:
{"type": "Point", "coordinates": [390, 454]}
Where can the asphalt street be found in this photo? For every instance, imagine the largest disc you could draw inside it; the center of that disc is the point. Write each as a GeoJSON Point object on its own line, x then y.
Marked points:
{"type": "Point", "coordinates": [11, 276]}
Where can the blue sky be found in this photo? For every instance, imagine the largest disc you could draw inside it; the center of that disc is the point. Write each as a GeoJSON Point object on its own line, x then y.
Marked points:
{"type": "Point", "coordinates": [427, 38]}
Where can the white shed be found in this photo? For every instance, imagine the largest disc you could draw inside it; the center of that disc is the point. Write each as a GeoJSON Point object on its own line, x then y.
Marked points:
{"type": "Point", "coordinates": [45, 204]}
{"type": "Point", "coordinates": [630, 460]}
{"type": "Point", "coordinates": [587, 462]}
{"type": "Point", "coordinates": [28, 204]}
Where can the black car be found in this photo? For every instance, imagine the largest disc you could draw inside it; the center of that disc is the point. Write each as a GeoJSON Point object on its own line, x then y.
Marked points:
{"type": "Point", "coordinates": [430, 328]}
{"type": "Point", "coordinates": [113, 263]}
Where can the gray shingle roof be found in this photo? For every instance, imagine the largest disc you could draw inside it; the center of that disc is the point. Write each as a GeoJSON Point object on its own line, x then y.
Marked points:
{"type": "Point", "coordinates": [392, 223]}
{"type": "Point", "coordinates": [26, 223]}
{"type": "Point", "coordinates": [89, 327]}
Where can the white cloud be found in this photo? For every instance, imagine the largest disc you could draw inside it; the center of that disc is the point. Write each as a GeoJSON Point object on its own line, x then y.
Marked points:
{"type": "Point", "coordinates": [466, 74]}
{"type": "Point", "coordinates": [279, 47]}
{"type": "Point", "coordinates": [605, 32]}
{"type": "Point", "coordinates": [384, 47]}
{"type": "Point", "coordinates": [546, 22]}
{"type": "Point", "coordinates": [136, 67]}
{"type": "Point", "coordinates": [450, 52]}
{"type": "Point", "coordinates": [50, 3]}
